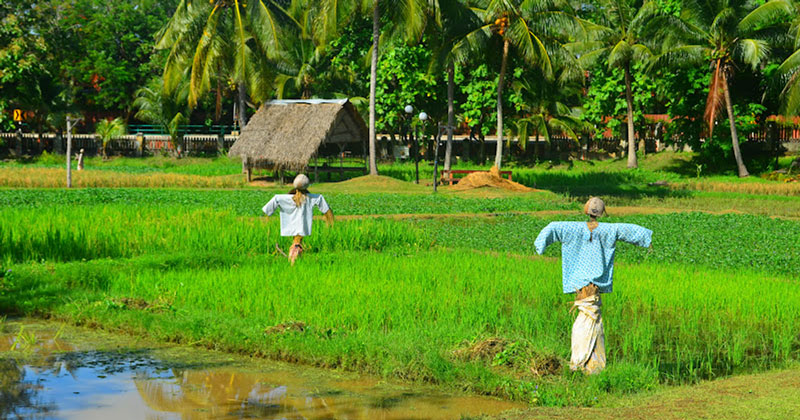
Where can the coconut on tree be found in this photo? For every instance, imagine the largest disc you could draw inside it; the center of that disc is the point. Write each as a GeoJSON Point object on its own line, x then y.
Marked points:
{"type": "Point", "coordinates": [536, 30]}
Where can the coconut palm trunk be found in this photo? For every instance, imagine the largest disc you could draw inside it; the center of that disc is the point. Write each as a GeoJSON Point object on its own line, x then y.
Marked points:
{"type": "Point", "coordinates": [242, 105]}
{"type": "Point", "coordinates": [632, 160]}
{"type": "Point", "coordinates": [450, 115]}
{"type": "Point", "coordinates": [734, 136]}
{"type": "Point", "coordinates": [498, 157]}
{"type": "Point", "coordinates": [373, 76]}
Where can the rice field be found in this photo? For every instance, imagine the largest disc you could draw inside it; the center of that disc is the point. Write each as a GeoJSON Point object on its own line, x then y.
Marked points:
{"type": "Point", "coordinates": [459, 302]}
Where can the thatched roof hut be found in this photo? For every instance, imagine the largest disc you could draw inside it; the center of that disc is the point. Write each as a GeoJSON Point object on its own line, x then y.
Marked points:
{"type": "Point", "coordinates": [287, 134]}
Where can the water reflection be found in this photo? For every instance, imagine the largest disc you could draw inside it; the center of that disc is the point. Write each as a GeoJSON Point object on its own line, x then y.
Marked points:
{"type": "Point", "coordinates": [63, 383]}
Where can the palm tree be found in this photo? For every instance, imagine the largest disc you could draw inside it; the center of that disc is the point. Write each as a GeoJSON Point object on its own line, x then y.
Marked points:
{"type": "Point", "coordinates": [452, 22]}
{"type": "Point", "coordinates": [619, 38]}
{"type": "Point", "coordinates": [408, 21]}
{"type": "Point", "coordinates": [722, 33]}
{"type": "Point", "coordinates": [168, 111]}
{"type": "Point", "coordinates": [789, 74]}
{"type": "Point", "coordinates": [534, 28]}
{"type": "Point", "coordinates": [106, 130]}
{"type": "Point", "coordinates": [221, 41]}
{"type": "Point", "coordinates": [545, 110]}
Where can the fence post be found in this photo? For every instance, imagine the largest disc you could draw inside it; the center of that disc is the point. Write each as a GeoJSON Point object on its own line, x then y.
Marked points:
{"type": "Point", "coordinates": [18, 146]}
{"type": "Point", "coordinates": [139, 144]}
{"type": "Point", "coordinates": [220, 143]}
{"type": "Point", "coordinates": [58, 147]}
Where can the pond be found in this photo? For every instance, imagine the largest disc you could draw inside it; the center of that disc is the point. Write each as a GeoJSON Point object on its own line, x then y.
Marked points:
{"type": "Point", "coordinates": [53, 371]}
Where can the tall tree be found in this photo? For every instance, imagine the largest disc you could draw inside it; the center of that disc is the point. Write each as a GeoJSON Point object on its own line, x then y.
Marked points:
{"type": "Point", "coordinates": [537, 30]}
{"type": "Point", "coordinates": [452, 22]}
{"type": "Point", "coordinates": [620, 38]}
{"type": "Point", "coordinates": [223, 41]}
{"type": "Point", "coordinates": [722, 33]}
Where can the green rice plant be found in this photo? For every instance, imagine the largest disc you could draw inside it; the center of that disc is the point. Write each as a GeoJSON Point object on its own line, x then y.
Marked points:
{"type": "Point", "coordinates": [116, 231]}
{"type": "Point", "coordinates": [250, 202]}
{"type": "Point", "coordinates": [734, 241]}
{"type": "Point", "coordinates": [408, 315]}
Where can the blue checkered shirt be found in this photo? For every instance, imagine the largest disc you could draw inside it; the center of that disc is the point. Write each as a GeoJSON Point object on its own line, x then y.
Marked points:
{"type": "Point", "coordinates": [588, 256]}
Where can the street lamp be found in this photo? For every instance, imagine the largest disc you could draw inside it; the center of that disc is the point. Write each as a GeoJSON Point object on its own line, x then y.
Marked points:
{"type": "Point", "coordinates": [422, 117]}
{"type": "Point", "coordinates": [407, 125]}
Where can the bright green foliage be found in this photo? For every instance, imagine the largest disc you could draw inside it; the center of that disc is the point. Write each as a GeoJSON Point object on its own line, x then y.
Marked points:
{"type": "Point", "coordinates": [479, 85]}
{"type": "Point", "coordinates": [375, 299]}
{"type": "Point", "coordinates": [106, 130]}
{"type": "Point", "coordinates": [246, 202]}
{"type": "Point", "coordinates": [686, 238]}
{"type": "Point", "coordinates": [403, 79]}
{"type": "Point", "coordinates": [606, 98]}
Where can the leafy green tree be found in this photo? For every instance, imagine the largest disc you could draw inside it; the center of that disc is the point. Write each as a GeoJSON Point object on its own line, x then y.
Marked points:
{"type": "Point", "coordinates": [722, 33]}
{"type": "Point", "coordinates": [619, 39]}
{"type": "Point", "coordinates": [479, 87]}
{"type": "Point", "coordinates": [448, 32]}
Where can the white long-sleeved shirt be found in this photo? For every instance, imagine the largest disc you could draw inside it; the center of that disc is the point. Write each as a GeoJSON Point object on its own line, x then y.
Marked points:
{"type": "Point", "coordinates": [295, 220]}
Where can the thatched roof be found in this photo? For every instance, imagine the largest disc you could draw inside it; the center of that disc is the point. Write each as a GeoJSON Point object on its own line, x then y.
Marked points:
{"type": "Point", "coordinates": [289, 133]}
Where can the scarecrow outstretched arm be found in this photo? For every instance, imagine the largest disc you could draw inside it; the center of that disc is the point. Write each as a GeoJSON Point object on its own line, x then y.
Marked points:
{"type": "Point", "coordinates": [329, 217]}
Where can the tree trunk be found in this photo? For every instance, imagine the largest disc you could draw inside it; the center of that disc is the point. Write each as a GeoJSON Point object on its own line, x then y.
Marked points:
{"type": "Point", "coordinates": [218, 101]}
{"type": "Point", "coordinates": [448, 150]}
{"type": "Point", "coordinates": [242, 105]}
{"type": "Point", "coordinates": [632, 160]}
{"type": "Point", "coordinates": [373, 76]}
{"type": "Point", "coordinates": [734, 136]}
{"type": "Point", "coordinates": [498, 156]}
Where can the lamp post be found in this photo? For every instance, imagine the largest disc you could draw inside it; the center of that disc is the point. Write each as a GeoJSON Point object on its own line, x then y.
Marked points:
{"type": "Point", "coordinates": [407, 124]}
{"type": "Point", "coordinates": [423, 117]}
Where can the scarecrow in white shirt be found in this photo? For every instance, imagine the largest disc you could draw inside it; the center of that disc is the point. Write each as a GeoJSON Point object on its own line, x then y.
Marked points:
{"type": "Point", "coordinates": [587, 252]}
{"type": "Point", "coordinates": [297, 209]}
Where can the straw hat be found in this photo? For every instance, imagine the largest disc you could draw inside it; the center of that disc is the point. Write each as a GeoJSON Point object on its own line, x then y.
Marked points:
{"type": "Point", "coordinates": [595, 207]}
{"type": "Point", "coordinates": [301, 182]}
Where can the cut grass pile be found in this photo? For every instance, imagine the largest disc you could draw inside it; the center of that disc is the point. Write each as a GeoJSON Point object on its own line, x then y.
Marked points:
{"type": "Point", "coordinates": [375, 296]}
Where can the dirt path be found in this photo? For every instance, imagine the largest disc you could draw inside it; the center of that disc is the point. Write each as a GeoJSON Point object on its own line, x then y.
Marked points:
{"type": "Point", "coordinates": [771, 395]}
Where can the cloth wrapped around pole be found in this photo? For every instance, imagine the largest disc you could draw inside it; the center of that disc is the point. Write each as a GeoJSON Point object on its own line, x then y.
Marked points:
{"type": "Point", "coordinates": [588, 340]}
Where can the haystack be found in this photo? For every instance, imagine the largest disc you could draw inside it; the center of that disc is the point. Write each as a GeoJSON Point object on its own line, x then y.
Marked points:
{"type": "Point", "coordinates": [489, 179]}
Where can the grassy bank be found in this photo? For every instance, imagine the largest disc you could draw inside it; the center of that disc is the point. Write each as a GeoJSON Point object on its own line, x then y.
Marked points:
{"type": "Point", "coordinates": [385, 297]}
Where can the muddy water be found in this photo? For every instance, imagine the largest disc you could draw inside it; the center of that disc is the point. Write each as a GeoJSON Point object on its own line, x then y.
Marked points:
{"type": "Point", "coordinates": [48, 371]}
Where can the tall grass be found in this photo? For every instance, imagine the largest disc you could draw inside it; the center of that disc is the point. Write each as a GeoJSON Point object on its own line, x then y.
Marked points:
{"type": "Point", "coordinates": [412, 316]}
{"type": "Point", "coordinates": [375, 296]}
{"type": "Point", "coordinates": [115, 231]}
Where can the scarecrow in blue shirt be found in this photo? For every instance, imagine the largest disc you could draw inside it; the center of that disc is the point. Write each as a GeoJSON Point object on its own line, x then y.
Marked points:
{"type": "Point", "coordinates": [587, 252]}
{"type": "Point", "coordinates": [297, 210]}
